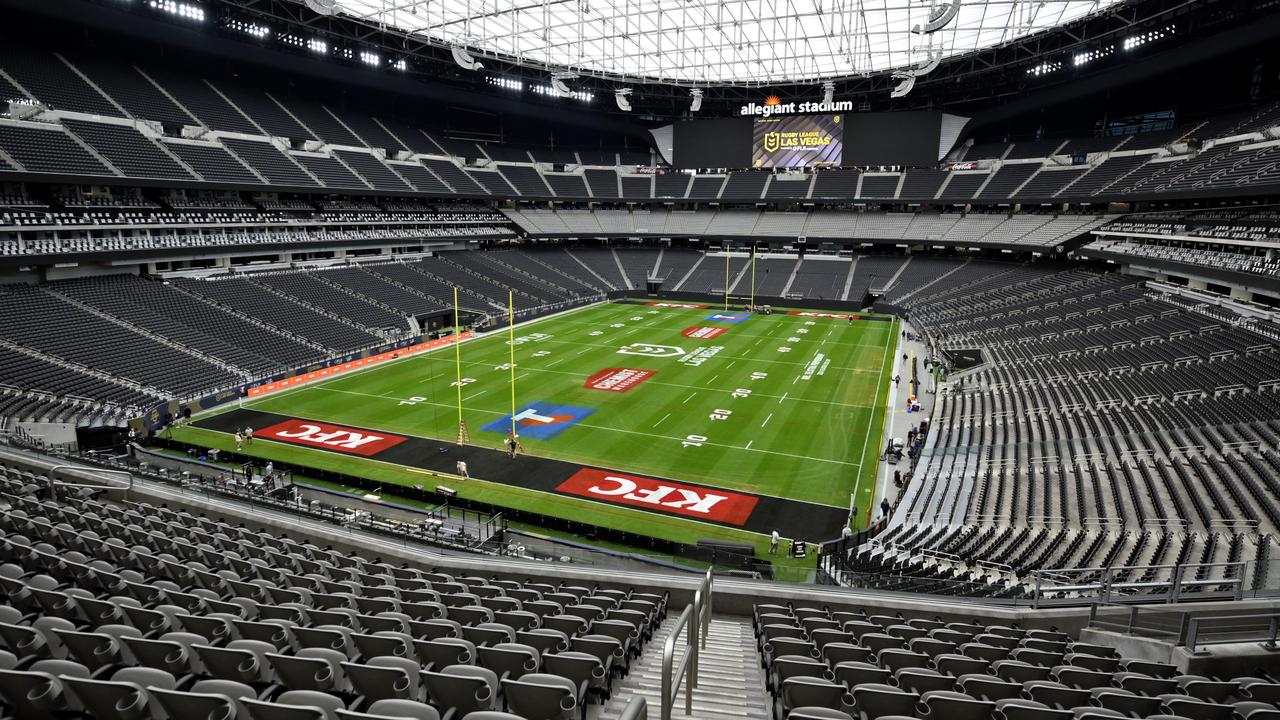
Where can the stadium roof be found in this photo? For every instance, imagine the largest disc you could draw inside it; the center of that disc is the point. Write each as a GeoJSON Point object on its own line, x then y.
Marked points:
{"type": "Point", "coordinates": [717, 42]}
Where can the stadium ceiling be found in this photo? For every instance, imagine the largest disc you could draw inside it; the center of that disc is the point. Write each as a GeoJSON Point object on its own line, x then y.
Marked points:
{"type": "Point", "coordinates": [717, 42]}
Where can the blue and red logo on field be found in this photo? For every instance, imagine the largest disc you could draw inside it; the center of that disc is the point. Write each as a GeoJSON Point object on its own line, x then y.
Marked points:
{"type": "Point", "coordinates": [728, 317]}
{"type": "Point", "coordinates": [540, 420]}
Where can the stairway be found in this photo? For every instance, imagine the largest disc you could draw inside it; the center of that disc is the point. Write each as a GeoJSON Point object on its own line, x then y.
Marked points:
{"type": "Point", "coordinates": [730, 681]}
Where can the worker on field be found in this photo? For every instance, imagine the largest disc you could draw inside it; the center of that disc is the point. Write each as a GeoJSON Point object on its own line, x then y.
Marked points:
{"type": "Point", "coordinates": [462, 469]}
{"type": "Point", "coordinates": [773, 542]}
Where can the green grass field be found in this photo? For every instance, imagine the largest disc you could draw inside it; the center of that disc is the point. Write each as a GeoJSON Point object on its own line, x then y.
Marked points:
{"type": "Point", "coordinates": [788, 406]}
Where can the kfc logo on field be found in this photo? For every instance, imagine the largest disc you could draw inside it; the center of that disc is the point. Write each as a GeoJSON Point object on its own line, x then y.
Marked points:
{"type": "Point", "coordinates": [663, 496]}
{"type": "Point", "coordinates": [618, 379]}
{"type": "Point", "coordinates": [837, 316]}
{"type": "Point", "coordinates": [330, 437]}
{"type": "Point", "coordinates": [683, 306]}
{"type": "Point", "coordinates": [704, 333]}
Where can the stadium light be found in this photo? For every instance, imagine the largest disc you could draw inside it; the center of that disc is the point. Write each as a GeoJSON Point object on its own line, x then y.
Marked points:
{"type": "Point", "coordinates": [696, 94]}
{"type": "Point", "coordinates": [1135, 41]}
{"type": "Point", "coordinates": [370, 58]}
{"type": "Point", "coordinates": [620, 97]}
{"type": "Point", "coordinates": [1045, 68]}
{"type": "Point", "coordinates": [258, 31]}
{"type": "Point", "coordinates": [315, 45]}
{"type": "Point", "coordinates": [189, 11]}
{"type": "Point", "coordinates": [556, 92]}
{"type": "Point", "coordinates": [505, 83]}
{"type": "Point", "coordinates": [1088, 56]}
{"type": "Point", "coordinates": [401, 64]}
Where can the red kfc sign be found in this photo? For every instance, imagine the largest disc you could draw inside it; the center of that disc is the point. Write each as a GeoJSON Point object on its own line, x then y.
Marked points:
{"type": "Point", "coordinates": [837, 316]}
{"type": "Point", "coordinates": [310, 433]}
{"type": "Point", "coordinates": [661, 495]}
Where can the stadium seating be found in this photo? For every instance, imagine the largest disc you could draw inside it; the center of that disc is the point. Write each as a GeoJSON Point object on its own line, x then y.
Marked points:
{"type": "Point", "coordinates": [1111, 426]}
{"type": "Point", "coordinates": [825, 664]}
{"type": "Point", "coordinates": [194, 615]}
{"type": "Point", "coordinates": [1150, 164]}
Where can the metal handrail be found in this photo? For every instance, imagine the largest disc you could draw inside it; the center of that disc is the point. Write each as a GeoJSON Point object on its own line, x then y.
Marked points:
{"type": "Point", "coordinates": [1268, 636]}
{"type": "Point", "coordinates": [1105, 583]}
{"type": "Point", "coordinates": [697, 616]}
{"type": "Point", "coordinates": [55, 483]}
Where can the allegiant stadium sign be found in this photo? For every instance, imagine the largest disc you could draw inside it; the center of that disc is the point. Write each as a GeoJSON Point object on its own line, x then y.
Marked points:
{"type": "Point", "coordinates": [769, 109]}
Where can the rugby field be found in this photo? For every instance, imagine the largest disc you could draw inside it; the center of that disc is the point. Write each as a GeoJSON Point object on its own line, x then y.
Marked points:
{"type": "Point", "coordinates": [676, 422]}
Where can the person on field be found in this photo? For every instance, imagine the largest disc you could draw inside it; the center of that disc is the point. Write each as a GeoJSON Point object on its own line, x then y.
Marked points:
{"type": "Point", "coordinates": [248, 436]}
{"type": "Point", "coordinates": [462, 469]}
{"type": "Point", "coordinates": [773, 542]}
{"type": "Point", "coordinates": [239, 440]}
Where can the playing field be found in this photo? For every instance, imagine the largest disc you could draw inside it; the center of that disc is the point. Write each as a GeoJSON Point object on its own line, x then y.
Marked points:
{"type": "Point", "coordinates": [776, 415]}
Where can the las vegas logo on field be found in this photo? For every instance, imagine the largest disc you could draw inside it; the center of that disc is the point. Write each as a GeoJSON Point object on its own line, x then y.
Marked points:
{"type": "Point", "coordinates": [330, 437]}
{"type": "Point", "coordinates": [541, 420]}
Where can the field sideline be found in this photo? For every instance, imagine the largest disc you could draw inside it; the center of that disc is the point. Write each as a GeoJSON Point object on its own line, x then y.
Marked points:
{"type": "Point", "coordinates": [718, 412]}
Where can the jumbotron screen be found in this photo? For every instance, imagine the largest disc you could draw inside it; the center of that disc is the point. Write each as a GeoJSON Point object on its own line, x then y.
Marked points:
{"type": "Point", "coordinates": [797, 141]}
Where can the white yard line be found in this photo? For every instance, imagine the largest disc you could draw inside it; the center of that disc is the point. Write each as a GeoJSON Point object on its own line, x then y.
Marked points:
{"type": "Point", "coordinates": [688, 398]}
{"type": "Point", "coordinates": [664, 417]}
{"type": "Point", "coordinates": [828, 461]}
{"type": "Point", "coordinates": [784, 397]}
{"type": "Point", "coordinates": [766, 420]}
{"type": "Point", "coordinates": [703, 387]}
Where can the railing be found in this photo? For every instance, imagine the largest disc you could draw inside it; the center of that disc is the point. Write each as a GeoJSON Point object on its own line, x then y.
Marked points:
{"type": "Point", "coordinates": [1234, 635]}
{"type": "Point", "coordinates": [1183, 628]}
{"type": "Point", "coordinates": [697, 617]}
{"type": "Point", "coordinates": [1111, 584]}
{"type": "Point", "coordinates": [53, 484]}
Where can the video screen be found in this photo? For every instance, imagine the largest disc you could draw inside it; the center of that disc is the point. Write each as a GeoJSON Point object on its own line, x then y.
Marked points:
{"type": "Point", "coordinates": [797, 141]}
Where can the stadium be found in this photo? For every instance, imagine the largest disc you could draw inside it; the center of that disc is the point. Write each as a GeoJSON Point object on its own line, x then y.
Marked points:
{"type": "Point", "coordinates": [624, 359]}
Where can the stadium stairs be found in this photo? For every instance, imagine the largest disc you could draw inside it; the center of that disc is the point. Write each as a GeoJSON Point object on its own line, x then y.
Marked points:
{"type": "Point", "coordinates": [730, 683]}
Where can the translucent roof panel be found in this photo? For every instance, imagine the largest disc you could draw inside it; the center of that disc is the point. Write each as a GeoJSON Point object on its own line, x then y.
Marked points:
{"type": "Point", "coordinates": [752, 42]}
